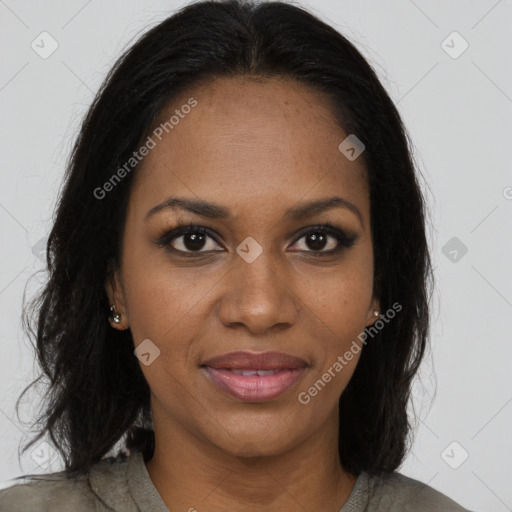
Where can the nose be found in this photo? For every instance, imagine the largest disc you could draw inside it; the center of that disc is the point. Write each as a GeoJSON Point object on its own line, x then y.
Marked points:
{"type": "Point", "coordinates": [258, 296]}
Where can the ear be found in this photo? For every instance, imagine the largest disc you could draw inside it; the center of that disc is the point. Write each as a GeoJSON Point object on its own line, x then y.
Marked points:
{"type": "Point", "coordinates": [371, 317]}
{"type": "Point", "coordinates": [115, 294]}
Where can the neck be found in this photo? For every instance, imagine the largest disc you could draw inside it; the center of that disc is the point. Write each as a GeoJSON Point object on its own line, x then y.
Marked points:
{"type": "Point", "coordinates": [191, 473]}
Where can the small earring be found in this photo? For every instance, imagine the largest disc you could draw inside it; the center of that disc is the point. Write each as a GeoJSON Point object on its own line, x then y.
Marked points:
{"type": "Point", "coordinates": [115, 317]}
{"type": "Point", "coordinates": [376, 313]}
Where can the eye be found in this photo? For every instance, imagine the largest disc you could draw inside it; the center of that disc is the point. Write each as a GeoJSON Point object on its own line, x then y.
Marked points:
{"type": "Point", "coordinates": [189, 239]}
{"type": "Point", "coordinates": [325, 239]}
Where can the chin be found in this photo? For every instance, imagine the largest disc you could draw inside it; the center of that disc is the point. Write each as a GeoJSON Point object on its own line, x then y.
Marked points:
{"type": "Point", "coordinates": [250, 444]}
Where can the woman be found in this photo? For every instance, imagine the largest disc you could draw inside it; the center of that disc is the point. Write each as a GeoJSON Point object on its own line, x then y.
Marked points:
{"type": "Point", "coordinates": [243, 202]}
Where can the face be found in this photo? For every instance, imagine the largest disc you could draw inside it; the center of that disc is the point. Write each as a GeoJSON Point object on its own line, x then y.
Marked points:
{"type": "Point", "coordinates": [260, 272]}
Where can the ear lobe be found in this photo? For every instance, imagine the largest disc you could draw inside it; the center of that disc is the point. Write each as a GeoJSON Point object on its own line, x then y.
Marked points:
{"type": "Point", "coordinates": [372, 317]}
{"type": "Point", "coordinates": [114, 291]}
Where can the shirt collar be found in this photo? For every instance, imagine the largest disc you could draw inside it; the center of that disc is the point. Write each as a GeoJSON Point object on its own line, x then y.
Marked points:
{"type": "Point", "coordinates": [125, 485]}
{"type": "Point", "coordinates": [141, 486]}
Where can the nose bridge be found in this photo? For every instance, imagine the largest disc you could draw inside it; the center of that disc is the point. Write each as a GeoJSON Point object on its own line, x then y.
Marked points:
{"type": "Point", "coordinates": [257, 294]}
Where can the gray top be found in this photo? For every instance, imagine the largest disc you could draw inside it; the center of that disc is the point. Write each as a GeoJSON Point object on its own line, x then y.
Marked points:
{"type": "Point", "coordinates": [125, 486]}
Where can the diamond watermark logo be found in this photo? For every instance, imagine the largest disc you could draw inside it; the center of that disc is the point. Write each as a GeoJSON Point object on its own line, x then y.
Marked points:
{"type": "Point", "coordinates": [147, 352]}
{"type": "Point", "coordinates": [454, 249]}
{"type": "Point", "coordinates": [454, 45]}
{"type": "Point", "coordinates": [454, 455]}
{"type": "Point", "coordinates": [39, 249]}
{"type": "Point", "coordinates": [351, 147]}
{"type": "Point", "coordinates": [44, 45]}
{"type": "Point", "coordinates": [44, 455]}
{"type": "Point", "coordinates": [249, 249]}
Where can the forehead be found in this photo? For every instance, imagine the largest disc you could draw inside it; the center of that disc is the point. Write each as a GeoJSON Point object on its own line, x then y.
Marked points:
{"type": "Point", "coordinates": [250, 140]}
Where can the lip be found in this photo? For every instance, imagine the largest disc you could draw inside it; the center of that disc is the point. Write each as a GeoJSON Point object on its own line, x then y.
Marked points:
{"type": "Point", "coordinates": [244, 360]}
{"type": "Point", "coordinates": [254, 388]}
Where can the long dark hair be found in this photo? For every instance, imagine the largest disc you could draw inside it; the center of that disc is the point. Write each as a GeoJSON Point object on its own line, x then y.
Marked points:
{"type": "Point", "coordinates": [98, 398]}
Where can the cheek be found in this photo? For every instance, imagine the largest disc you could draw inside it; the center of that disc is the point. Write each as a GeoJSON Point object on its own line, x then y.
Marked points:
{"type": "Point", "coordinates": [163, 307]}
{"type": "Point", "coordinates": [341, 299]}
{"type": "Point", "coordinates": [161, 299]}
{"type": "Point", "coordinates": [339, 305]}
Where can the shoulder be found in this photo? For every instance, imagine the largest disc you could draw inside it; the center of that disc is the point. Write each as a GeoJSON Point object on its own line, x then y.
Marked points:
{"type": "Point", "coordinates": [43, 493]}
{"type": "Point", "coordinates": [56, 492]}
{"type": "Point", "coordinates": [394, 491]}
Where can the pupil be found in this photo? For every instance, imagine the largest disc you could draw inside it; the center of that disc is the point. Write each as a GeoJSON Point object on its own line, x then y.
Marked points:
{"type": "Point", "coordinates": [316, 241]}
{"type": "Point", "coordinates": [194, 241]}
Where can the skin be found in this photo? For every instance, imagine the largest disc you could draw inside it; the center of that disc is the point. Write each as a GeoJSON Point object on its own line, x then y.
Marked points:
{"type": "Point", "coordinates": [257, 147]}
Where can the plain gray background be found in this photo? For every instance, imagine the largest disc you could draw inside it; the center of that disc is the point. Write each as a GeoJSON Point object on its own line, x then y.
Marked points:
{"type": "Point", "coordinates": [458, 110]}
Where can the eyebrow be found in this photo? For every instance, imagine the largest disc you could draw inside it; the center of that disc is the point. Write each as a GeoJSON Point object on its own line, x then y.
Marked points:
{"type": "Point", "coordinates": [216, 211]}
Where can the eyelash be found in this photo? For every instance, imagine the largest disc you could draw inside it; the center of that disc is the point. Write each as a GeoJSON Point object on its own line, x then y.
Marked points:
{"type": "Point", "coordinates": [169, 235]}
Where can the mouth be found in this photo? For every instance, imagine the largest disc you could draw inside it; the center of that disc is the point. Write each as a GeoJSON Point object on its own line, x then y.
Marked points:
{"type": "Point", "coordinates": [254, 377]}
